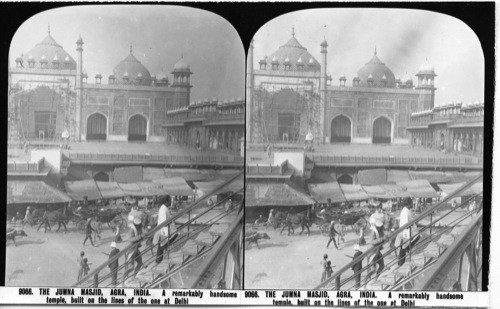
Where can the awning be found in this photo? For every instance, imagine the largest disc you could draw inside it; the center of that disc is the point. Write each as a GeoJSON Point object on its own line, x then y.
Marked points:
{"type": "Point", "coordinates": [128, 174]}
{"type": "Point", "coordinates": [394, 176]}
{"type": "Point", "coordinates": [227, 173]}
{"type": "Point", "coordinates": [395, 190]}
{"type": "Point", "coordinates": [78, 172]}
{"type": "Point", "coordinates": [175, 186]}
{"type": "Point", "coordinates": [152, 188]}
{"type": "Point", "coordinates": [372, 177]}
{"type": "Point", "coordinates": [34, 192]}
{"type": "Point", "coordinates": [324, 191]}
{"type": "Point", "coordinates": [354, 192]}
{"type": "Point", "coordinates": [78, 189]}
{"type": "Point", "coordinates": [188, 174]}
{"type": "Point", "coordinates": [152, 173]}
{"type": "Point", "coordinates": [323, 175]}
{"type": "Point", "coordinates": [377, 192]}
{"type": "Point", "coordinates": [275, 194]}
{"type": "Point", "coordinates": [419, 188]}
{"type": "Point", "coordinates": [132, 189]}
{"type": "Point", "coordinates": [449, 189]}
{"type": "Point", "coordinates": [464, 177]}
{"type": "Point", "coordinates": [431, 176]}
{"type": "Point", "coordinates": [209, 186]}
{"type": "Point", "coordinates": [110, 189]}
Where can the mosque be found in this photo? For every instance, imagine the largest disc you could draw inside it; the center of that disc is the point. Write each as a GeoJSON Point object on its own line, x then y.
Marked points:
{"type": "Point", "coordinates": [50, 93]}
{"type": "Point", "coordinates": [290, 94]}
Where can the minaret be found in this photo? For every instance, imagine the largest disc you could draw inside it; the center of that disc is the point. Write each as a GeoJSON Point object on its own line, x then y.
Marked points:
{"type": "Point", "coordinates": [79, 90]}
{"type": "Point", "coordinates": [426, 75]}
{"type": "Point", "coordinates": [249, 92]}
{"type": "Point", "coordinates": [323, 90]}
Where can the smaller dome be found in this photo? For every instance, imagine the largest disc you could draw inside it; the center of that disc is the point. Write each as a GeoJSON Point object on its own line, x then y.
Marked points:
{"type": "Point", "coordinates": [300, 60]}
{"type": "Point", "coordinates": [287, 60]}
{"type": "Point", "coordinates": [139, 75]}
{"type": "Point", "coordinates": [112, 75]}
{"type": "Point", "coordinates": [182, 66]}
{"type": "Point", "coordinates": [55, 58]}
{"type": "Point", "coordinates": [275, 60]}
{"type": "Point", "coordinates": [324, 43]}
{"type": "Point", "coordinates": [98, 75]}
{"type": "Point", "coordinates": [370, 76]}
{"type": "Point", "coordinates": [342, 77]}
{"type": "Point", "coordinates": [384, 77]}
{"type": "Point", "coordinates": [311, 61]}
{"type": "Point", "coordinates": [43, 59]}
{"type": "Point", "coordinates": [67, 59]}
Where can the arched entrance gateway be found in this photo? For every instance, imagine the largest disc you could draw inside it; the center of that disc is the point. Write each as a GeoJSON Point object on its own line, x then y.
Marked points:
{"type": "Point", "coordinates": [345, 179]}
{"type": "Point", "coordinates": [101, 176]}
{"type": "Point", "coordinates": [341, 130]}
{"type": "Point", "coordinates": [137, 128]}
{"type": "Point", "coordinates": [97, 127]}
{"type": "Point", "coordinates": [382, 131]}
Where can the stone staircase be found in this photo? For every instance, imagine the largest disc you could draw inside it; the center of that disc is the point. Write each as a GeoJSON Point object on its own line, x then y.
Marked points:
{"type": "Point", "coordinates": [197, 245]}
{"type": "Point", "coordinates": [419, 260]}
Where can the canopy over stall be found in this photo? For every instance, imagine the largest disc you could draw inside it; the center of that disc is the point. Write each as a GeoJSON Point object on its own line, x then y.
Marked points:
{"type": "Point", "coordinates": [372, 176]}
{"type": "Point", "coordinates": [419, 188]}
{"type": "Point", "coordinates": [396, 190]}
{"type": "Point", "coordinates": [430, 176]}
{"type": "Point", "coordinates": [152, 188]}
{"type": "Point", "coordinates": [175, 186]}
{"type": "Point", "coordinates": [34, 192]}
{"type": "Point", "coordinates": [450, 188]}
{"type": "Point", "coordinates": [210, 186]}
{"type": "Point", "coordinates": [78, 189]}
{"type": "Point", "coordinates": [354, 192]}
{"type": "Point", "coordinates": [128, 174]}
{"type": "Point", "coordinates": [395, 176]}
{"type": "Point", "coordinates": [110, 189]}
{"type": "Point", "coordinates": [132, 189]}
{"type": "Point", "coordinates": [152, 173]}
{"type": "Point", "coordinates": [377, 192]}
{"type": "Point", "coordinates": [324, 191]}
{"type": "Point", "coordinates": [188, 174]}
{"type": "Point", "coordinates": [275, 194]}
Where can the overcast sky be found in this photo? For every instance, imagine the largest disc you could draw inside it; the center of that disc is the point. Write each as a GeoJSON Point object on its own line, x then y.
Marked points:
{"type": "Point", "coordinates": [404, 39]}
{"type": "Point", "coordinates": [159, 36]}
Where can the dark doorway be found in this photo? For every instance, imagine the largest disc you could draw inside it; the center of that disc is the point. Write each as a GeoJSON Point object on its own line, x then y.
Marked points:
{"type": "Point", "coordinates": [137, 128]}
{"type": "Point", "coordinates": [288, 127]}
{"type": "Point", "coordinates": [382, 131]}
{"type": "Point", "coordinates": [45, 124]}
{"type": "Point", "coordinates": [341, 130]}
{"type": "Point", "coordinates": [101, 176]}
{"type": "Point", "coordinates": [345, 179]}
{"type": "Point", "coordinates": [97, 127]}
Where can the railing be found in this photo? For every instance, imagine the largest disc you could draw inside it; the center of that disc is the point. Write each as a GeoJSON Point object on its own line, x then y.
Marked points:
{"type": "Point", "coordinates": [98, 280]}
{"type": "Point", "coordinates": [23, 167]}
{"type": "Point", "coordinates": [426, 236]}
{"type": "Point", "coordinates": [166, 159]}
{"type": "Point", "coordinates": [469, 244]}
{"type": "Point", "coordinates": [395, 160]}
{"type": "Point", "coordinates": [267, 169]}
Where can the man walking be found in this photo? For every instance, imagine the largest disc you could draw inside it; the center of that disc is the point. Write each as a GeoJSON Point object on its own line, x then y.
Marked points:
{"type": "Point", "coordinates": [356, 268]}
{"type": "Point", "coordinates": [333, 232]}
{"type": "Point", "coordinates": [88, 232]}
{"type": "Point", "coordinates": [113, 266]}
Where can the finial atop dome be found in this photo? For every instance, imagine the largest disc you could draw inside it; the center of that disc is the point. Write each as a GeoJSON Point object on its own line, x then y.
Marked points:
{"type": "Point", "coordinates": [130, 47]}
{"type": "Point", "coordinates": [375, 53]}
{"type": "Point", "coordinates": [293, 31]}
{"type": "Point", "coordinates": [48, 28]}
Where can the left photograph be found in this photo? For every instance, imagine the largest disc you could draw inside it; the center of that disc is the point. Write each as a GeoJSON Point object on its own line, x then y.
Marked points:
{"type": "Point", "coordinates": [126, 134]}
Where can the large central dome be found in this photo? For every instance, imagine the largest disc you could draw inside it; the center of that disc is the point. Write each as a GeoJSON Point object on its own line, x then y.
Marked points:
{"type": "Point", "coordinates": [294, 54]}
{"type": "Point", "coordinates": [133, 70]}
{"type": "Point", "coordinates": [376, 72]}
{"type": "Point", "coordinates": [49, 53]}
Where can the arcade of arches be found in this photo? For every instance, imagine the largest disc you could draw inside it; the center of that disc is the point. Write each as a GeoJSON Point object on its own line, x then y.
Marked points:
{"type": "Point", "coordinates": [207, 137]}
{"type": "Point", "coordinates": [459, 140]}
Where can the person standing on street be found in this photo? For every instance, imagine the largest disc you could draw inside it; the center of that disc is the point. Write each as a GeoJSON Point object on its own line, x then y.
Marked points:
{"type": "Point", "coordinates": [113, 266]}
{"type": "Point", "coordinates": [79, 260]}
{"type": "Point", "coordinates": [88, 232]}
{"type": "Point", "coordinates": [333, 232]}
{"type": "Point", "coordinates": [356, 268]}
{"type": "Point", "coordinates": [324, 266]}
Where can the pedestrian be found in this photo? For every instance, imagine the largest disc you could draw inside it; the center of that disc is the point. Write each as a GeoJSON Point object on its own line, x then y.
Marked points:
{"type": "Point", "coordinates": [333, 232]}
{"type": "Point", "coordinates": [86, 267]}
{"type": "Point", "coordinates": [270, 219]}
{"type": "Point", "coordinates": [356, 268]}
{"type": "Point", "coordinates": [79, 260]}
{"type": "Point", "coordinates": [324, 266]}
{"type": "Point", "coordinates": [229, 204]}
{"type": "Point", "coordinates": [361, 239]}
{"type": "Point", "coordinates": [88, 232]}
{"type": "Point", "coordinates": [260, 221]}
{"type": "Point", "coordinates": [329, 269]}
{"type": "Point", "coordinates": [17, 218]}
{"type": "Point", "coordinates": [28, 217]}
{"type": "Point", "coordinates": [118, 236]}
{"type": "Point", "coordinates": [379, 260]}
{"type": "Point", "coordinates": [168, 232]}
{"type": "Point", "coordinates": [113, 266]}
{"type": "Point", "coordinates": [97, 229]}
{"type": "Point", "coordinates": [135, 257]}
{"type": "Point", "coordinates": [269, 150]}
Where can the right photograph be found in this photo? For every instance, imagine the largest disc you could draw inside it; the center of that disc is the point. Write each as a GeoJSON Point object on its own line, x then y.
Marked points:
{"type": "Point", "coordinates": [364, 152]}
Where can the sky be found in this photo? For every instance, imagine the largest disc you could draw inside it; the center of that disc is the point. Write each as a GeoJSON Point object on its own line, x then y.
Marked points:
{"type": "Point", "coordinates": [160, 36]}
{"type": "Point", "coordinates": [403, 38]}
